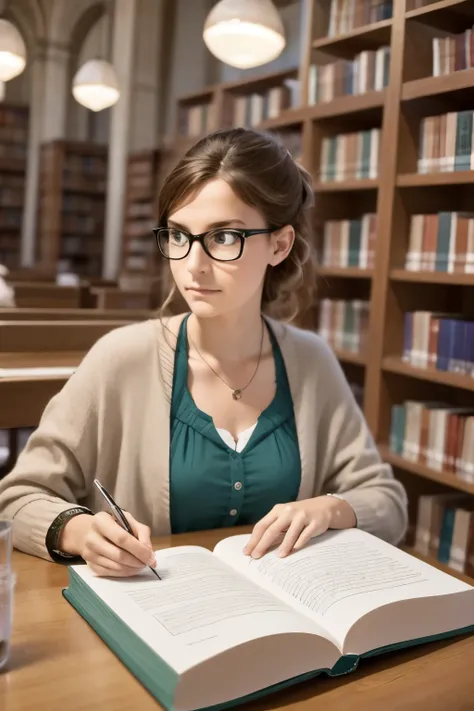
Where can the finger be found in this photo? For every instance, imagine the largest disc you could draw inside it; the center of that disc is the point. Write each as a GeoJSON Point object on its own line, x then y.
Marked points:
{"type": "Point", "coordinates": [294, 532]}
{"type": "Point", "coordinates": [101, 567]}
{"type": "Point", "coordinates": [102, 547]}
{"type": "Point", "coordinates": [272, 535]}
{"type": "Point", "coordinates": [111, 530]}
{"type": "Point", "coordinates": [259, 530]}
{"type": "Point", "coordinates": [312, 530]}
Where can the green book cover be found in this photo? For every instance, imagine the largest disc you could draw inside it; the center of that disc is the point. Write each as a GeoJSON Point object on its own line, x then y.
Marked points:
{"type": "Point", "coordinates": [355, 236]}
{"type": "Point", "coordinates": [463, 149]}
{"type": "Point", "coordinates": [221, 629]}
{"type": "Point", "coordinates": [443, 240]}
{"type": "Point", "coordinates": [331, 166]}
{"type": "Point", "coordinates": [365, 159]}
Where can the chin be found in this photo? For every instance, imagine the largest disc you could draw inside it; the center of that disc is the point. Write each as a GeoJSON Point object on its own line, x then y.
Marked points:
{"type": "Point", "coordinates": [201, 309]}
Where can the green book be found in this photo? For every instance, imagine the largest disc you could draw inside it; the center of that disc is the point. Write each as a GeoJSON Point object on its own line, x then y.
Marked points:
{"type": "Point", "coordinates": [221, 628]}
{"type": "Point", "coordinates": [355, 235]}
{"type": "Point", "coordinates": [462, 160]}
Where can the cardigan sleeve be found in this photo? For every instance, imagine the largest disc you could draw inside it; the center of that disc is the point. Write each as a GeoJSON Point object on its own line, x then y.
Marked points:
{"type": "Point", "coordinates": [351, 464]}
{"type": "Point", "coordinates": [56, 468]}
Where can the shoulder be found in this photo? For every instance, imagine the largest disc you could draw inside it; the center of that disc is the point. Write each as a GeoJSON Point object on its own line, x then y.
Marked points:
{"type": "Point", "coordinates": [123, 346]}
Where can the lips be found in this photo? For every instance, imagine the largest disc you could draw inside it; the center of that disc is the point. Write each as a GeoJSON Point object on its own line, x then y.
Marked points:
{"type": "Point", "coordinates": [202, 289]}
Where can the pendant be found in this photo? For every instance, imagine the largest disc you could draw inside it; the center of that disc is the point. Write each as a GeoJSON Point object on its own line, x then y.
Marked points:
{"type": "Point", "coordinates": [237, 394]}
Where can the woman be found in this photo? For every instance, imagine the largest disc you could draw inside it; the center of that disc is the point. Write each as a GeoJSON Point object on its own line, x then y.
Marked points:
{"type": "Point", "coordinates": [218, 416]}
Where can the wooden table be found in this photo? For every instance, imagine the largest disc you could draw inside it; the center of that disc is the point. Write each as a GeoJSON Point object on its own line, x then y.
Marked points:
{"type": "Point", "coordinates": [58, 663]}
{"type": "Point", "coordinates": [23, 399]}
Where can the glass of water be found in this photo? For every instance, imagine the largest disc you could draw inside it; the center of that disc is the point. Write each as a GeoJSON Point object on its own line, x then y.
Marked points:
{"type": "Point", "coordinates": [7, 585]}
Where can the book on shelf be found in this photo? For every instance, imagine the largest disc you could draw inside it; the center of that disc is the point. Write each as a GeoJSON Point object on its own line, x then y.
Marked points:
{"type": "Point", "coordinates": [221, 627]}
{"type": "Point", "coordinates": [292, 140]}
{"type": "Point", "coordinates": [446, 143]}
{"type": "Point", "coordinates": [439, 340]}
{"type": "Point", "coordinates": [252, 109]}
{"type": "Point", "coordinates": [349, 156]}
{"type": "Point", "coordinates": [196, 120]}
{"type": "Point", "coordinates": [344, 324]}
{"type": "Point", "coordinates": [453, 53]}
{"type": "Point", "coordinates": [368, 71]}
{"type": "Point", "coordinates": [444, 530]}
{"type": "Point", "coordinates": [345, 16]}
{"type": "Point", "coordinates": [436, 435]}
{"type": "Point", "coordinates": [441, 242]}
{"type": "Point", "coordinates": [350, 243]}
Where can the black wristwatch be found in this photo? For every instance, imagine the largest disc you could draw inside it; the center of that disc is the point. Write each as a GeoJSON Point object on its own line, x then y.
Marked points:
{"type": "Point", "coordinates": [54, 534]}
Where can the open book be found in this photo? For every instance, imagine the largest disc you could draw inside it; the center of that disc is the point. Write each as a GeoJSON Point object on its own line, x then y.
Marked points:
{"type": "Point", "coordinates": [221, 627]}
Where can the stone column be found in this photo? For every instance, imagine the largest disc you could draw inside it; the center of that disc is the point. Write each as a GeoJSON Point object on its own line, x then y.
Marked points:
{"type": "Point", "coordinates": [124, 22]}
{"type": "Point", "coordinates": [49, 84]}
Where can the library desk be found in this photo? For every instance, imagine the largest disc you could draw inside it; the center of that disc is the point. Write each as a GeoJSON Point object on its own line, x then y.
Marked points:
{"type": "Point", "coordinates": [58, 662]}
{"type": "Point", "coordinates": [24, 398]}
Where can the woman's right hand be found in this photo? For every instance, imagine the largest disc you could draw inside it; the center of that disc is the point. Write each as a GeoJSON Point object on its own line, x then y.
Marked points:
{"type": "Point", "coordinates": [106, 547]}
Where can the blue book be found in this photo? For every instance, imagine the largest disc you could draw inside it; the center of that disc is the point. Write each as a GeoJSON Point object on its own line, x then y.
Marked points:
{"type": "Point", "coordinates": [220, 629]}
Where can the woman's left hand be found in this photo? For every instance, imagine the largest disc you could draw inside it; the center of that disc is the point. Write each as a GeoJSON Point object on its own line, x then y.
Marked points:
{"type": "Point", "coordinates": [294, 524]}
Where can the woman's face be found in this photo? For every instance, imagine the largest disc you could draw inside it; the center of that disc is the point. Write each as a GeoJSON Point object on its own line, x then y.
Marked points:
{"type": "Point", "coordinates": [214, 288]}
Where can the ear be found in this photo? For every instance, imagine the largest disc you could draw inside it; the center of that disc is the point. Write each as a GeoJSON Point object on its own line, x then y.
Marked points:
{"type": "Point", "coordinates": [282, 241]}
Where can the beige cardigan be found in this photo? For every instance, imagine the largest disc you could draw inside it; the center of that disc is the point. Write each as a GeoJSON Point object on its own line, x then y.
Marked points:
{"type": "Point", "coordinates": [111, 420]}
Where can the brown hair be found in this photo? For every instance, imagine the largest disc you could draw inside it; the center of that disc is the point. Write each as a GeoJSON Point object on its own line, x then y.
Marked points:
{"type": "Point", "coordinates": [263, 174]}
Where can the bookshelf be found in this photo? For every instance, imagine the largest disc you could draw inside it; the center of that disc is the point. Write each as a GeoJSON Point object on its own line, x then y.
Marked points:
{"type": "Point", "coordinates": [140, 216]}
{"type": "Point", "coordinates": [13, 151]}
{"type": "Point", "coordinates": [385, 183]}
{"type": "Point", "coordinates": [72, 206]}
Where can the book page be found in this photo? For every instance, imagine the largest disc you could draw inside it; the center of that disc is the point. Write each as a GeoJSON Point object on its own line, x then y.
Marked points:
{"type": "Point", "coordinates": [200, 608]}
{"type": "Point", "coordinates": [342, 576]}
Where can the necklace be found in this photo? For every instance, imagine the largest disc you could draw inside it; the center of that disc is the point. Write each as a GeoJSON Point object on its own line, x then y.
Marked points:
{"type": "Point", "coordinates": [236, 392]}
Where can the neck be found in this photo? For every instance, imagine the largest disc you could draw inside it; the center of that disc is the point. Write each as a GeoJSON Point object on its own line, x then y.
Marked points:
{"type": "Point", "coordinates": [228, 338]}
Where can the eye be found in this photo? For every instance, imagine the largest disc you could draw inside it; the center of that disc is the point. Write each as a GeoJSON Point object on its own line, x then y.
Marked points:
{"type": "Point", "coordinates": [177, 237]}
{"type": "Point", "coordinates": [225, 238]}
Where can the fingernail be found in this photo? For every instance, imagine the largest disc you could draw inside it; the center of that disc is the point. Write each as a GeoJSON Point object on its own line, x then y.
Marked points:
{"type": "Point", "coordinates": [256, 554]}
{"type": "Point", "coordinates": [281, 554]}
{"type": "Point", "coordinates": [152, 561]}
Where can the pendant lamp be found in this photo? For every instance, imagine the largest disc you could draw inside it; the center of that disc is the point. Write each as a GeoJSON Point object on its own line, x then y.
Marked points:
{"type": "Point", "coordinates": [95, 85]}
{"type": "Point", "coordinates": [244, 33]}
{"type": "Point", "coordinates": [12, 51]}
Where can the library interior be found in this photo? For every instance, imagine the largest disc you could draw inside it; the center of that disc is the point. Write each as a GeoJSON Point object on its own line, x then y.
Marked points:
{"type": "Point", "coordinates": [372, 102]}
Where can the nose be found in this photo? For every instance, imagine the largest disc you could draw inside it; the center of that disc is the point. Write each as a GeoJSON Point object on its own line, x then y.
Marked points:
{"type": "Point", "coordinates": [198, 261]}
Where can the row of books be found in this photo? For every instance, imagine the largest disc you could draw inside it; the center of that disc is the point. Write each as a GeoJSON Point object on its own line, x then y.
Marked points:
{"type": "Point", "coordinates": [12, 181]}
{"type": "Point", "coordinates": [441, 341]}
{"type": "Point", "coordinates": [139, 228]}
{"type": "Point", "coordinates": [75, 180]}
{"type": "Point", "coordinates": [292, 139]}
{"type": "Point", "coordinates": [13, 134]}
{"type": "Point", "coordinates": [350, 243]}
{"type": "Point", "coordinates": [435, 435]}
{"type": "Point", "coordinates": [446, 143]}
{"type": "Point", "coordinates": [140, 209]}
{"type": "Point", "coordinates": [252, 109]}
{"type": "Point", "coordinates": [344, 323]}
{"type": "Point", "coordinates": [10, 219]}
{"type": "Point", "coordinates": [11, 197]}
{"type": "Point", "coordinates": [445, 530]}
{"type": "Point", "coordinates": [350, 155]}
{"type": "Point", "coordinates": [453, 53]}
{"type": "Point", "coordinates": [368, 71]}
{"type": "Point", "coordinates": [441, 242]}
{"type": "Point", "coordinates": [195, 120]}
{"type": "Point", "coordinates": [16, 151]}
{"type": "Point", "coordinates": [346, 15]}
{"type": "Point", "coordinates": [92, 166]}
{"type": "Point", "coordinates": [81, 224]}
{"type": "Point", "coordinates": [15, 116]}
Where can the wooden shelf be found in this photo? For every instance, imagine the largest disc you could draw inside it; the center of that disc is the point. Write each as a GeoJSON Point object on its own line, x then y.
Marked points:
{"type": "Point", "coordinates": [12, 165]}
{"type": "Point", "coordinates": [456, 83]}
{"type": "Point", "coordinates": [444, 478]}
{"type": "Point", "coordinates": [394, 364]}
{"type": "Point", "coordinates": [436, 564]}
{"type": "Point", "coordinates": [366, 37]}
{"type": "Point", "coordinates": [446, 15]}
{"type": "Point", "coordinates": [349, 357]}
{"type": "Point", "coordinates": [346, 272]}
{"type": "Point", "coordinates": [351, 104]}
{"type": "Point", "coordinates": [456, 279]}
{"type": "Point", "coordinates": [346, 185]}
{"type": "Point", "coordinates": [416, 180]}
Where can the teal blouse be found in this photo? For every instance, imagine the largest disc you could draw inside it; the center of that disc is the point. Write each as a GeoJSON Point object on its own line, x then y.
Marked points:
{"type": "Point", "coordinates": [211, 484]}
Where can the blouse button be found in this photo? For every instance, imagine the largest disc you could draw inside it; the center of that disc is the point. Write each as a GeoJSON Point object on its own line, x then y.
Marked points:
{"type": "Point", "coordinates": [233, 512]}
{"type": "Point", "coordinates": [238, 485]}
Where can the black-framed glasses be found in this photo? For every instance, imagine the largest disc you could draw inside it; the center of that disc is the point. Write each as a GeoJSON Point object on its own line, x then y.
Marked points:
{"type": "Point", "coordinates": [225, 244]}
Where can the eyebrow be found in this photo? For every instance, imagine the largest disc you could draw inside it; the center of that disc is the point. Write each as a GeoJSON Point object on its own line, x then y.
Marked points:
{"type": "Point", "coordinates": [212, 225]}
